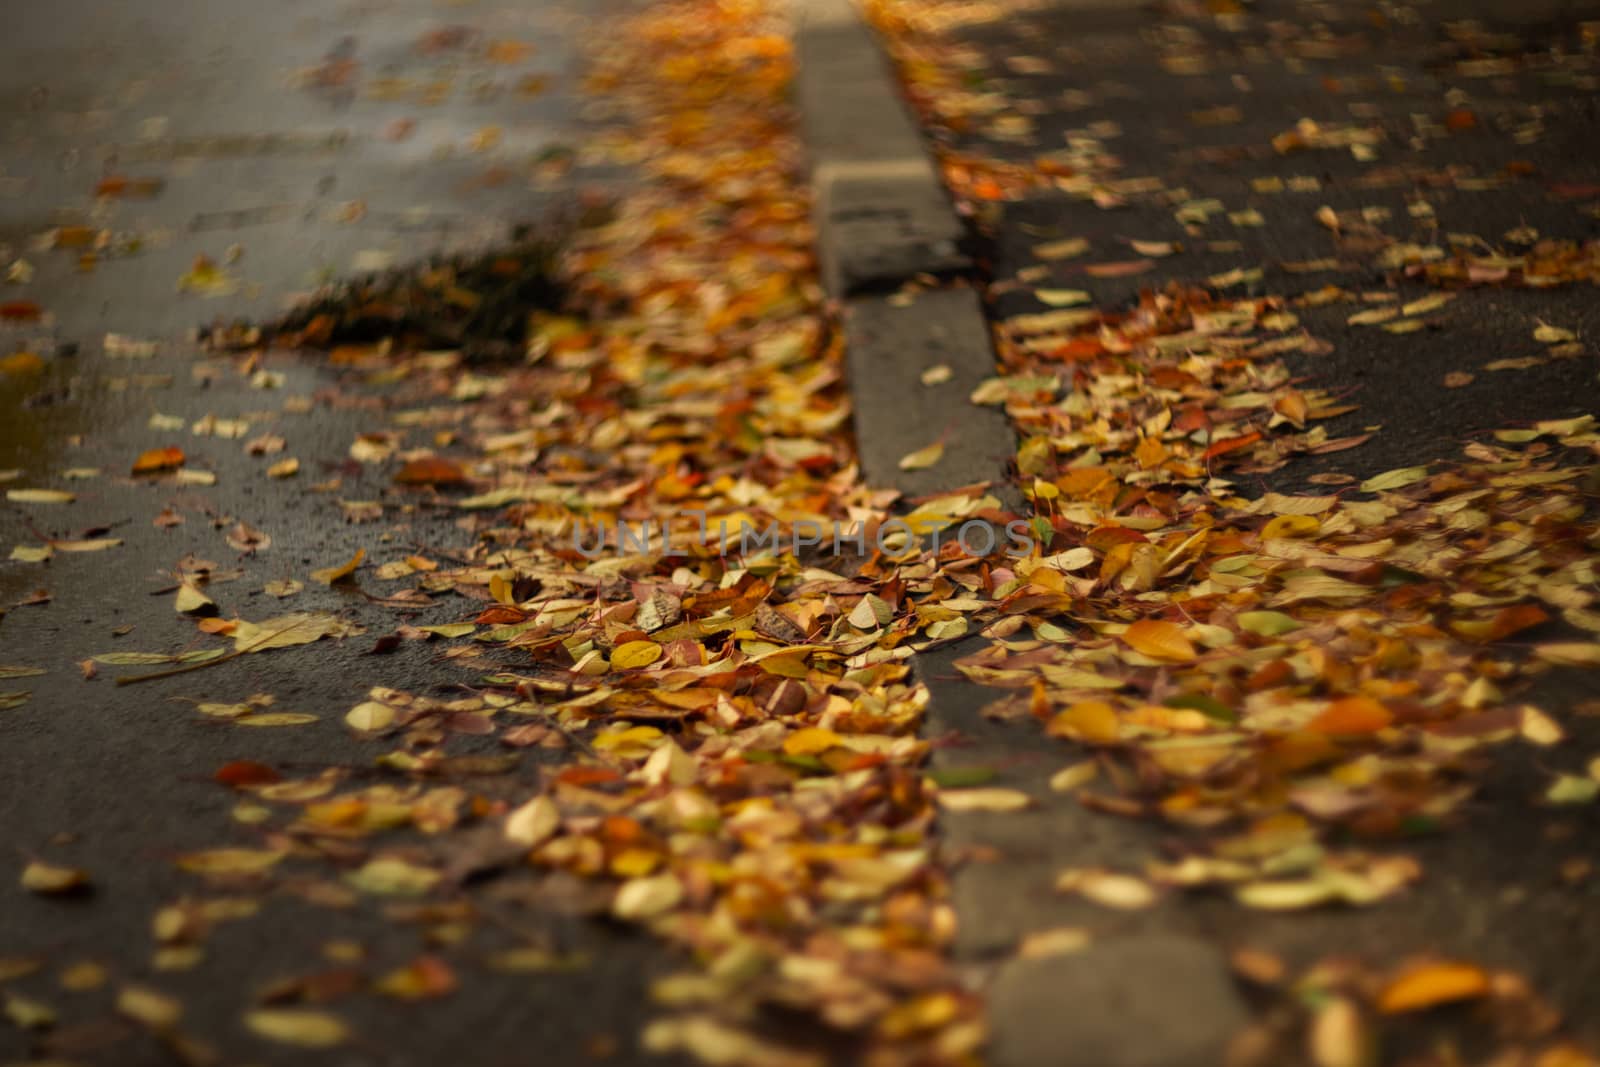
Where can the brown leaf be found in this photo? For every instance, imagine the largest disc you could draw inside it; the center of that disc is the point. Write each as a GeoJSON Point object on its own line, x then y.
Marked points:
{"type": "Point", "coordinates": [431, 471]}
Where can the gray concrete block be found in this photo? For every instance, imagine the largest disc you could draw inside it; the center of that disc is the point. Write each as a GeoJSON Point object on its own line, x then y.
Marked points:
{"type": "Point", "coordinates": [889, 345]}
{"type": "Point", "coordinates": [882, 212]}
{"type": "Point", "coordinates": [1142, 1001]}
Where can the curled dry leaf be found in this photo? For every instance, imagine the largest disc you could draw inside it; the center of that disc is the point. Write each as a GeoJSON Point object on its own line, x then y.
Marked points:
{"type": "Point", "coordinates": [48, 879]}
{"type": "Point", "coordinates": [333, 575]}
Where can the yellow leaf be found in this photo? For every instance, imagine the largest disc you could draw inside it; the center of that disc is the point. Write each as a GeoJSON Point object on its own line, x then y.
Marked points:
{"type": "Point", "coordinates": [392, 877]}
{"type": "Point", "coordinates": [284, 468]}
{"type": "Point", "coordinates": [984, 799]}
{"type": "Point", "coordinates": [922, 458]}
{"type": "Point", "coordinates": [1569, 653]}
{"type": "Point", "coordinates": [1060, 298]}
{"type": "Point", "coordinates": [533, 823]}
{"type": "Point", "coordinates": [810, 741]}
{"type": "Point", "coordinates": [1066, 249]}
{"type": "Point", "coordinates": [1088, 720]}
{"type": "Point", "coordinates": [1108, 888]}
{"type": "Point", "coordinates": [1290, 526]}
{"type": "Point", "coordinates": [1430, 984]}
{"type": "Point", "coordinates": [1160, 640]}
{"type": "Point", "coordinates": [94, 544]}
{"type": "Point", "coordinates": [1395, 479]}
{"type": "Point", "coordinates": [191, 601]}
{"type": "Point", "coordinates": [227, 861]}
{"type": "Point", "coordinates": [1340, 1037]}
{"type": "Point", "coordinates": [369, 715]}
{"type": "Point", "coordinates": [645, 898]}
{"type": "Point", "coordinates": [48, 879]}
{"type": "Point", "coordinates": [1069, 778]}
{"type": "Point", "coordinates": [331, 575]}
{"type": "Point", "coordinates": [634, 654]}
{"type": "Point", "coordinates": [276, 718]}
{"type": "Point", "coordinates": [39, 496]}
{"type": "Point", "coordinates": [155, 1010]}
{"type": "Point", "coordinates": [294, 1026]}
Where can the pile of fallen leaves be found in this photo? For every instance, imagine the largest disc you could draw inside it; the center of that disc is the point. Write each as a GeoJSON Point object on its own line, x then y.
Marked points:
{"type": "Point", "coordinates": [742, 727]}
{"type": "Point", "coordinates": [1289, 682]}
{"type": "Point", "coordinates": [485, 305]}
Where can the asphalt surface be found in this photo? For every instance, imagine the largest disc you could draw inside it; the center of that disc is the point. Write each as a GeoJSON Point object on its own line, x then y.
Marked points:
{"type": "Point", "coordinates": [289, 144]}
{"type": "Point", "coordinates": [1168, 105]}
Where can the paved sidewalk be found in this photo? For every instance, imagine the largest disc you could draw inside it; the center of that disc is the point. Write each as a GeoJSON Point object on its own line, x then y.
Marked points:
{"type": "Point", "coordinates": [1394, 174]}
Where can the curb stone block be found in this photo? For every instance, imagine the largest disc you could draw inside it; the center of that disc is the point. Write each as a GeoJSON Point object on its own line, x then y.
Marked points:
{"type": "Point", "coordinates": [1146, 1001]}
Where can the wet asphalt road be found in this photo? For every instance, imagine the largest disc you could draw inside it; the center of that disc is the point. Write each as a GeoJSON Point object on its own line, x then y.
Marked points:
{"type": "Point", "coordinates": [289, 143]}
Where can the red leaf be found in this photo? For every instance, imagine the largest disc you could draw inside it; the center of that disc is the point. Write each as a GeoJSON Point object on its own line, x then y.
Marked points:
{"type": "Point", "coordinates": [241, 773]}
{"type": "Point", "coordinates": [21, 311]}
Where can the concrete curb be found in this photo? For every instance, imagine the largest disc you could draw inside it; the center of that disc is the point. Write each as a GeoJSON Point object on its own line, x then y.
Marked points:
{"type": "Point", "coordinates": [882, 213]}
{"type": "Point", "coordinates": [883, 218]}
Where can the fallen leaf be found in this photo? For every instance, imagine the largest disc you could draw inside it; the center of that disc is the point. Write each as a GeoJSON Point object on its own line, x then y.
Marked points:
{"type": "Point", "coordinates": [47, 879]}
{"type": "Point", "coordinates": [158, 459]}
{"type": "Point", "coordinates": [39, 496]}
{"type": "Point", "coordinates": [144, 1005]}
{"type": "Point", "coordinates": [534, 823]}
{"type": "Point", "coordinates": [1108, 888]}
{"type": "Point", "coordinates": [431, 471]}
{"type": "Point", "coordinates": [992, 800]}
{"type": "Point", "coordinates": [922, 458]}
{"type": "Point", "coordinates": [1395, 479]}
{"type": "Point", "coordinates": [299, 1027]}
{"type": "Point", "coordinates": [1161, 640]}
{"type": "Point", "coordinates": [370, 715]}
{"type": "Point", "coordinates": [230, 861]}
{"type": "Point", "coordinates": [333, 575]}
{"type": "Point", "coordinates": [642, 899]}
{"type": "Point", "coordinates": [634, 654]}
{"type": "Point", "coordinates": [1351, 715]}
{"type": "Point", "coordinates": [1428, 985]}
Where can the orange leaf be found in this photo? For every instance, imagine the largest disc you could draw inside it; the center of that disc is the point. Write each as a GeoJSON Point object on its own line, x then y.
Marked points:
{"type": "Point", "coordinates": [1430, 984]}
{"type": "Point", "coordinates": [430, 471]}
{"type": "Point", "coordinates": [1160, 640]}
{"type": "Point", "coordinates": [1150, 453]}
{"type": "Point", "coordinates": [1232, 444]}
{"type": "Point", "coordinates": [158, 459]}
{"type": "Point", "coordinates": [1352, 715]}
{"type": "Point", "coordinates": [1508, 621]}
